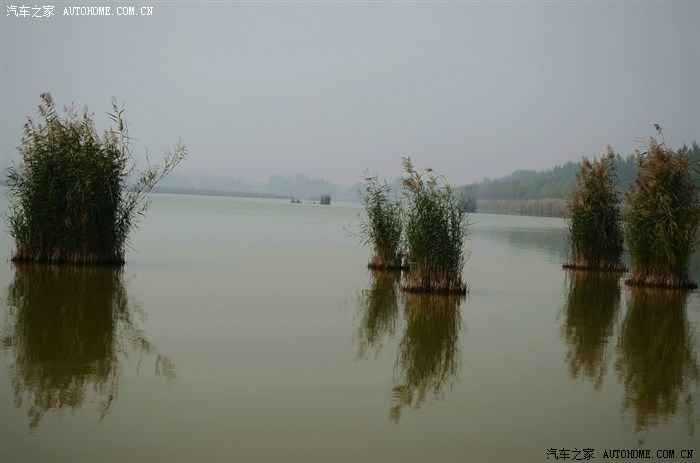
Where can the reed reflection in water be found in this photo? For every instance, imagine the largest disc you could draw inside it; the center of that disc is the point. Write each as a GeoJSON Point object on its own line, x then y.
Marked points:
{"type": "Point", "coordinates": [67, 326]}
{"type": "Point", "coordinates": [380, 312]}
{"type": "Point", "coordinates": [592, 304]}
{"type": "Point", "coordinates": [429, 356]}
{"type": "Point", "coordinates": [657, 362]}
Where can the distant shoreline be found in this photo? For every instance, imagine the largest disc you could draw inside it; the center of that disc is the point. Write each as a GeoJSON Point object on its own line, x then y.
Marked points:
{"type": "Point", "coordinates": [207, 192]}
{"type": "Point", "coordinates": [541, 207]}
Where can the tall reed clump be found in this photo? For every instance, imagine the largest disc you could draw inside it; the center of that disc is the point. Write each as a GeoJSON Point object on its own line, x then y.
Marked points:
{"type": "Point", "coordinates": [595, 230]}
{"type": "Point", "coordinates": [436, 228]}
{"type": "Point", "coordinates": [381, 228]}
{"type": "Point", "coordinates": [663, 218]}
{"type": "Point", "coordinates": [74, 197]}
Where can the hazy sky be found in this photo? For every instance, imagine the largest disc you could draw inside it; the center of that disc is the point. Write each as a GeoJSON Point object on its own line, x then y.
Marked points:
{"type": "Point", "coordinates": [329, 89]}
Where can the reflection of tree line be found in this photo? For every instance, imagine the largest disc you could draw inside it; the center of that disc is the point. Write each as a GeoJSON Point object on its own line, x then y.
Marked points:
{"type": "Point", "coordinates": [428, 357]}
{"type": "Point", "coordinates": [67, 327]}
{"type": "Point", "coordinates": [656, 350]}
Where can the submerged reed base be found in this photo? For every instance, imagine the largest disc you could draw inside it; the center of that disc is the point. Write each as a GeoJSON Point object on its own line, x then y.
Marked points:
{"type": "Point", "coordinates": [56, 256]}
{"type": "Point", "coordinates": [419, 280]}
{"type": "Point", "coordinates": [379, 262]}
{"type": "Point", "coordinates": [660, 279]}
{"type": "Point", "coordinates": [606, 265]}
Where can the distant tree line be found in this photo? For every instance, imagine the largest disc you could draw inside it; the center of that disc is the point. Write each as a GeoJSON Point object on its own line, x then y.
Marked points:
{"type": "Point", "coordinates": [301, 186]}
{"type": "Point", "coordinates": [543, 207]}
{"type": "Point", "coordinates": [529, 184]}
{"type": "Point", "coordinates": [555, 183]}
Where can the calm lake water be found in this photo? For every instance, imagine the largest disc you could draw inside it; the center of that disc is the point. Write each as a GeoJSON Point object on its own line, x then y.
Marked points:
{"type": "Point", "coordinates": [251, 330]}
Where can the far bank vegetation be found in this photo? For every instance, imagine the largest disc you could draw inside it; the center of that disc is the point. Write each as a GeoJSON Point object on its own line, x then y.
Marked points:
{"type": "Point", "coordinates": [543, 207]}
{"type": "Point", "coordinates": [545, 193]}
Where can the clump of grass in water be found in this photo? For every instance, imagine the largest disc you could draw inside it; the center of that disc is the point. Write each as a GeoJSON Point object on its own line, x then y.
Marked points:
{"type": "Point", "coordinates": [382, 227]}
{"type": "Point", "coordinates": [663, 218]}
{"type": "Point", "coordinates": [73, 199]}
{"type": "Point", "coordinates": [595, 231]}
{"type": "Point", "coordinates": [436, 228]}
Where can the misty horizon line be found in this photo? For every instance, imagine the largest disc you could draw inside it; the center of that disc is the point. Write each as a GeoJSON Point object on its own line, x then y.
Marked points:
{"type": "Point", "coordinates": [294, 185]}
